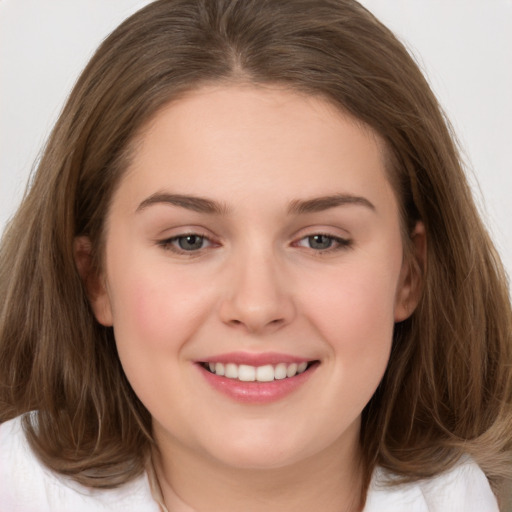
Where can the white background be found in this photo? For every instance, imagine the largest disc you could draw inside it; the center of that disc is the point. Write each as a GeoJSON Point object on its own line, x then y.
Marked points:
{"type": "Point", "coordinates": [463, 46]}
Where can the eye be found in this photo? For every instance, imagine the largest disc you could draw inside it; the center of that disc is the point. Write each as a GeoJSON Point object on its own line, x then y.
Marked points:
{"type": "Point", "coordinates": [189, 242]}
{"type": "Point", "coordinates": [322, 242]}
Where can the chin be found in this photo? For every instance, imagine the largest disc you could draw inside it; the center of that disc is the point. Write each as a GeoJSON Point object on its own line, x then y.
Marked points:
{"type": "Point", "coordinates": [265, 452]}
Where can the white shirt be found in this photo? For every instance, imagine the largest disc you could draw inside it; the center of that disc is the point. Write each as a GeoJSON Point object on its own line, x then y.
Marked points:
{"type": "Point", "coordinates": [26, 485]}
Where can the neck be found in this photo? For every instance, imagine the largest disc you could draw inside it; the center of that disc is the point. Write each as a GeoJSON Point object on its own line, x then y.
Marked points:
{"type": "Point", "coordinates": [323, 482]}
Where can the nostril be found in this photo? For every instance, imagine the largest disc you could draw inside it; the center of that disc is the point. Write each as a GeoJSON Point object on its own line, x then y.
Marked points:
{"type": "Point", "coordinates": [277, 321]}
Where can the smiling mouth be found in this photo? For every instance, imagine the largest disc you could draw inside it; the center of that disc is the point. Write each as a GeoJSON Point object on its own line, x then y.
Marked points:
{"type": "Point", "coordinates": [265, 373]}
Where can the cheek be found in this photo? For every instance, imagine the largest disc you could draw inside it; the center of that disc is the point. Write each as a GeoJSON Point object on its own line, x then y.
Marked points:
{"type": "Point", "coordinates": [353, 309]}
{"type": "Point", "coordinates": [151, 309]}
{"type": "Point", "coordinates": [354, 304]}
{"type": "Point", "coordinates": [154, 316]}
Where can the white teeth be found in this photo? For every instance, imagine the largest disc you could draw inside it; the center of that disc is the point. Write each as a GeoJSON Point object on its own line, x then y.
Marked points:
{"type": "Point", "coordinates": [231, 371]}
{"type": "Point", "coordinates": [280, 371]}
{"type": "Point", "coordinates": [291, 370]}
{"type": "Point", "coordinates": [266, 373]}
{"type": "Point", "coordinates": [246, 373]}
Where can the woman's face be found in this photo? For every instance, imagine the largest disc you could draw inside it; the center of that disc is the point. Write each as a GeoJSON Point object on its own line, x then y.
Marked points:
{"type": "Point", "coordinates": [253, 274]}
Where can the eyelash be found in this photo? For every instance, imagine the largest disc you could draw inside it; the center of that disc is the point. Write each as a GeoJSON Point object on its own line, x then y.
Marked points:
{"type": "Point", "coordinates": [337, 243]}
{"type": "Point", "coordinates": [171, 244]}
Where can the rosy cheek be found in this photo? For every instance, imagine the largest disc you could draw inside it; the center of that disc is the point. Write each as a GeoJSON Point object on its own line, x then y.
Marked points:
{"type": "Point", "coordinates": [355, 310]}
{"type": "Point", "coordinates": [139, 309]}
{"type": "Point", "coordinates": [150, 315]}
{"type": "Point", "coordinates": [156, 310]}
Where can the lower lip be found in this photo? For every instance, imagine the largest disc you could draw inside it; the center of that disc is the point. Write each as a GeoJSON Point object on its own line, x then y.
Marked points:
{"type": "Point", "coordinates": [257, 392]}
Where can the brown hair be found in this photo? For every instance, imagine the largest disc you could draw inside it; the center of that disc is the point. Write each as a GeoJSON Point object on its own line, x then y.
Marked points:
{"type": "Point", "coordinates": [448, 387]}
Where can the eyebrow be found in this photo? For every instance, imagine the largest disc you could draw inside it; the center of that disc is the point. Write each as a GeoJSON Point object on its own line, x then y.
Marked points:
{"type": "Point", "coordinates": [197, 204]}
{"type": "Point", "coordinates": [319, 204]}
{"type": "Point", "coordinates": [297, 206]}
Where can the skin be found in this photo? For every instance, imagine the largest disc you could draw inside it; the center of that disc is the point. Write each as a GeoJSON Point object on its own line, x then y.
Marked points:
{"type": "Point", "coordinates": [257, 284]}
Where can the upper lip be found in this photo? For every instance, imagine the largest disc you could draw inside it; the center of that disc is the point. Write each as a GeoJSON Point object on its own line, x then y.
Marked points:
{"type": "Point", "coordinates": [255, 359]}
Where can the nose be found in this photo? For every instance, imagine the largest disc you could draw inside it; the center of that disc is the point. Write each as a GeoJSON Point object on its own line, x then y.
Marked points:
{"type": "Point", "coordinates": [257, 296]}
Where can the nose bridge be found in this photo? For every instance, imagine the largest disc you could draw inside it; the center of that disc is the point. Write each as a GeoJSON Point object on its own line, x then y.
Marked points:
{"type": "Point", "coordinates": [257, 297]}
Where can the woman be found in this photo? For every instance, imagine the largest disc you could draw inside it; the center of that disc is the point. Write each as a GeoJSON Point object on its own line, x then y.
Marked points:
{"type": "Point", "coordinates": [271, 283]}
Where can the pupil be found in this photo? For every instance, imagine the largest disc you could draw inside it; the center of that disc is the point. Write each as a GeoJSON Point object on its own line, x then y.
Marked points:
{"type": "Point", "coordinates": [320, 242]}
{"type": "Point", "coordinates": [190, 242]}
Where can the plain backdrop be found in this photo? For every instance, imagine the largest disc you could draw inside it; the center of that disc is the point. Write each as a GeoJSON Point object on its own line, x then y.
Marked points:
{"type": "Point", "coordinates": [463, 46]}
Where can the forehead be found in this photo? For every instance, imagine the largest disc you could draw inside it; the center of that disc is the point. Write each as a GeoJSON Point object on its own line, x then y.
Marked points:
{"type": "Point", "coordinates": [248, 140]}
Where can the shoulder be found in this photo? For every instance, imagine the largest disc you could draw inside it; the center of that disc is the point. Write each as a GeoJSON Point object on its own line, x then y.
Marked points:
{"type": "Point", "coordinates": [26, 485]}
{"type": "Point", "coordinates": [464, 488]}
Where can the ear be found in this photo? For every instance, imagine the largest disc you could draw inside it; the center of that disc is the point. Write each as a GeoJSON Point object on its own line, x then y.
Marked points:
{"type": "Point", "coordinates": [93, 282]}
{"type": "Point", "coordinates": [411, 275]}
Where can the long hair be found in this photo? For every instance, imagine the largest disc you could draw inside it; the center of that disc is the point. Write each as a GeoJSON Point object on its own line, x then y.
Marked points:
{"type": "Point", "coordinates": [447, 389]}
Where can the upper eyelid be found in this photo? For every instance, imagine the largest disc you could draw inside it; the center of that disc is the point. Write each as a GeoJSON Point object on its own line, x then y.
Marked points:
{"type": "Point", "coordinates": [176, 232]}
{"type": "Point", "coordinates": [331, 227]}
{"type": "Point", "coordinates": [185, 233]}
{"type": "Point", "coordinates": [330, 231]}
